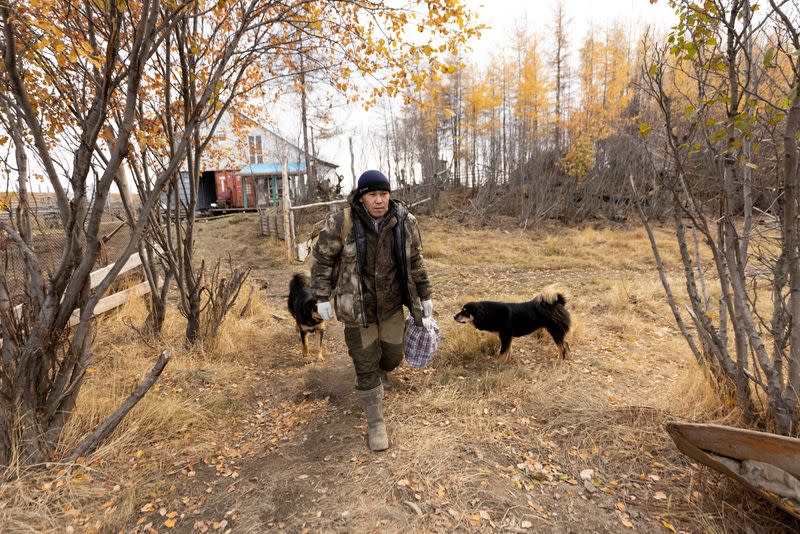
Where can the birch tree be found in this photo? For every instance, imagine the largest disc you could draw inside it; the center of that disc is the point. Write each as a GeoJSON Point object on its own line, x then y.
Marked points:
{"type": "Point", "coordinates": [752, 349]}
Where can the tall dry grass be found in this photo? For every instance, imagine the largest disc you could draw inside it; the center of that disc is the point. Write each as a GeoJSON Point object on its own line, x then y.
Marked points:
{"type": "Point", "coordinates": [193, 395]}
{"type": "Point", "coordinates": [621, 310]}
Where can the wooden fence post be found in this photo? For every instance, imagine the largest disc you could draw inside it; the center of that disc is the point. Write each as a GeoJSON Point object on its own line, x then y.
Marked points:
{"type": "Point", "coordinates": [287, 206]}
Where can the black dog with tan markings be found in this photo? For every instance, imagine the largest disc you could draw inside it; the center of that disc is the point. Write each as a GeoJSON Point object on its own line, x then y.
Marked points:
{"type": "Point", "coordinates": [515, 319]}
{"type": "Point", "coordinates": [303, 306]}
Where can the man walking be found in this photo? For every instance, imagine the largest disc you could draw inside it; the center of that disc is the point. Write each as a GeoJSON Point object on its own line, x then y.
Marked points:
{"type": "Point", "coordinates": [368, 260]}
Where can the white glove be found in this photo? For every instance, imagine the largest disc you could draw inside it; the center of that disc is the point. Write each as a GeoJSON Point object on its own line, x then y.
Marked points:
{"type": "Point", "coordinates": [428, 323]}
{"type": "Point", "coordinates": [427, 308]}
{"type": "Point", "coordinates": [325, 310]}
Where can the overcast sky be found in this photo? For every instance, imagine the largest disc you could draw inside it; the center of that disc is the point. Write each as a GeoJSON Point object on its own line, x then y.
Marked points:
{"type": "Point", "coordinates": [505, 15]}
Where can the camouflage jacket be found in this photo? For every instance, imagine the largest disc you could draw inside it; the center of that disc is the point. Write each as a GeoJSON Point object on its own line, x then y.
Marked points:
{"type": "Point", "coordinates": [370, 274]}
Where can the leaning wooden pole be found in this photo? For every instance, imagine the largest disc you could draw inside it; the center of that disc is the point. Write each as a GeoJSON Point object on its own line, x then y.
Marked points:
{"type": "Point", "coordinates": [287, 206]}
{"type": "Point", "coordinates": [100, 433]}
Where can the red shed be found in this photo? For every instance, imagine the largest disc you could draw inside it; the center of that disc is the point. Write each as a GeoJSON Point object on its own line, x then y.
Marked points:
{"type": "Point", "coordinates": [235, 191]}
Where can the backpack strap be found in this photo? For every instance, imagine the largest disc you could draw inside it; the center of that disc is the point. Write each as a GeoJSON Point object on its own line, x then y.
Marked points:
{"type": "Point", "coordinates": [347, 227]}
{"type": "Point", "coordinates": [347, 224]}
{"type": "Point", "coordinates": [400, 253]}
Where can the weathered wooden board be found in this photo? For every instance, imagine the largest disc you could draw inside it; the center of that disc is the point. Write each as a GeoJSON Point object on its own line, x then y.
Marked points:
{"type": "Point", "coordinates": [703, 442]}
{"type": "Point", "coordinates": [113, 301]}
{"type": "Point", "coordinates": [110, 302]}
{"type": "Point", "coordinates": [98, 275]}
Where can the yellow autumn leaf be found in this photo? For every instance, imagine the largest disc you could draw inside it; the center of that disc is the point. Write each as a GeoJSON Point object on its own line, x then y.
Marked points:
{"type": "Point", "coordinates": [668, 525]}
{"type": "Point", "coordinates": [169, 523]}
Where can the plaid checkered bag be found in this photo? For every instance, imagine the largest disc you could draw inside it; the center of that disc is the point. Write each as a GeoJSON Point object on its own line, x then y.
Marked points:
{"type": "Point", "coordinates": [420, 343]}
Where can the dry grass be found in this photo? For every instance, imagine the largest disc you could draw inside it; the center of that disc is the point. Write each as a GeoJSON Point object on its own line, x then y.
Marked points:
{"type": "Point", "coordinates": [622, 312]}
{"type": "Point", "coordinates": [460, 430]}
{"type": "Point", "coordinates": [197, 390]}
{"type": "Point", "coordinates": [240, 236]}
{"type": "Point", "coordinates": [549, 247]}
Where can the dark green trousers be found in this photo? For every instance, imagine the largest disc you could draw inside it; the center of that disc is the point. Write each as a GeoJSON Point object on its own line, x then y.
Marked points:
{"type": "Point", "coordinates": [378, 346]}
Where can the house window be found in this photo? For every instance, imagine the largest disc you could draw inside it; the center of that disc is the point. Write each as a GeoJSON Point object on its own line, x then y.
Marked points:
{"type": "Point", "coordinates": [256, 152]}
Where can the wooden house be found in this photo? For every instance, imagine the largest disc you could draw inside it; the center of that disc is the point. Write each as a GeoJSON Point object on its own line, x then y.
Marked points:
{"type": "Point", "coordinates": [243, 167]}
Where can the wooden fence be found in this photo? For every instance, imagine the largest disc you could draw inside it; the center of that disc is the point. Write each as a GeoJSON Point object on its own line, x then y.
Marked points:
{"type": "Point", "coordinates": [109, 302]}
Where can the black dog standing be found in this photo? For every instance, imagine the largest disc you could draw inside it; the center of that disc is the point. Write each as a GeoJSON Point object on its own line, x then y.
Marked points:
{"type": "Point", "coordinates": [511, 319]}
{"type": "Point", "coordinates": [303, 306]}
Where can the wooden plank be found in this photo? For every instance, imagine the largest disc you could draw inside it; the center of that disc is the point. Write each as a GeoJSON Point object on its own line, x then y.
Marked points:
{"type": "Point", "coordinates": [113, 301]}
{"type": "Point", "coordinates": [263, 221]}
{"type": "Point", "coordinates": [97, 276]}
{"type": "Point", "coordinates": [292, 229]}
{"type": "Point", "coordinates": [214, 217]}
{"type": "Point", "coordinates": [104, 304]}
{"type": "Point", "coordinates": [742, 444]}
{"type": "Point", "coordinates": [705, 443]}
{"type": "Point", "coordinates": [316, 204]}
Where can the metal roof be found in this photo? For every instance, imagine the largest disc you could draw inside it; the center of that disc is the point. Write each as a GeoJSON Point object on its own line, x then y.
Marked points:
{"type": "Point", "coordinates": [272, 169]}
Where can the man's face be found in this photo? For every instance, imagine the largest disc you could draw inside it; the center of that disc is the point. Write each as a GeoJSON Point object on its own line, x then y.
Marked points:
{"type": "Point", "coordinates": [376, 202]}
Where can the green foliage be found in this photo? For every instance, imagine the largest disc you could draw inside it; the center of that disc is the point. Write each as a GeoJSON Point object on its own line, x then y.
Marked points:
{"type": "Point", "coordinates": [580, 157]}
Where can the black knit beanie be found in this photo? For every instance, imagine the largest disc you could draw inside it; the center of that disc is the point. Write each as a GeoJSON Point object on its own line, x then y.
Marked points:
{"type": "Point", "coordinates": [373, 180]}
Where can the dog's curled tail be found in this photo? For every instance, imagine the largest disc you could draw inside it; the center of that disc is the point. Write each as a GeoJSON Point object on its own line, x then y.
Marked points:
{"type": "Point", "coordinates": [552, 295]}
{"type": "Point", "coordinates": [298, 281]}
{"type": "Point", "coordinates": [551, 304]}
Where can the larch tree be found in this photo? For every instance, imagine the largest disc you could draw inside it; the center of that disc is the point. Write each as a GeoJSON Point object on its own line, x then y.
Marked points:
{"type": "Point", "coordinates": [559, 63]}
{"type": "Point", "coordinates": [480, 103]}
{"type": "Point", "coordinates": [532, 103]}
{"type": "Point", "coordinates": [591, 86]}
{"type": "Point", "coordinates": [605, 76]}
{"type": "Point", "coordinates": [617, 72]}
